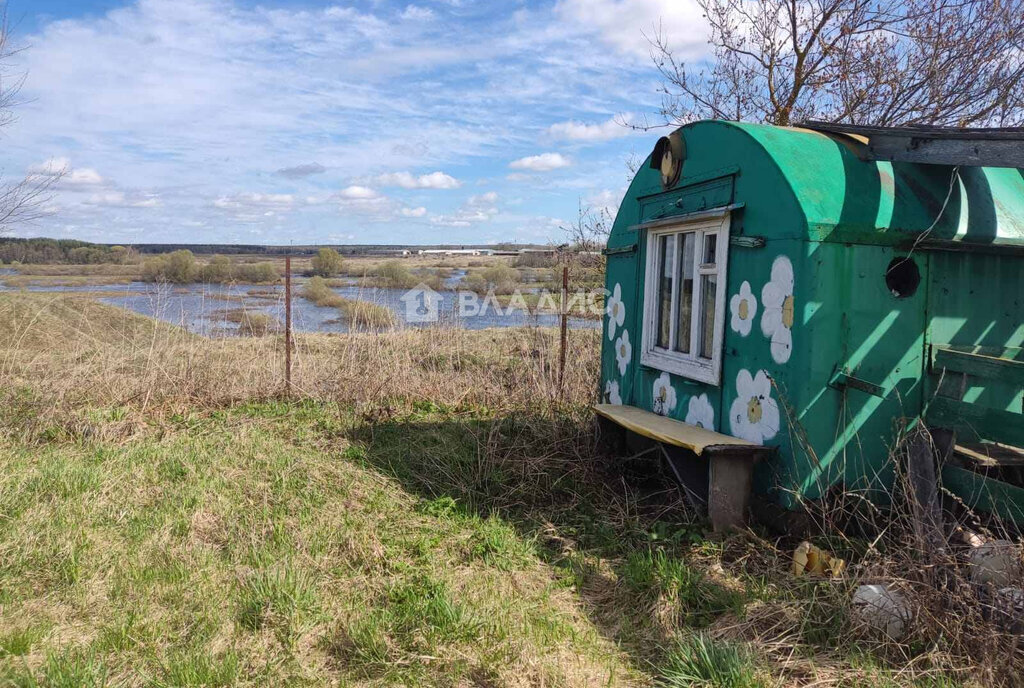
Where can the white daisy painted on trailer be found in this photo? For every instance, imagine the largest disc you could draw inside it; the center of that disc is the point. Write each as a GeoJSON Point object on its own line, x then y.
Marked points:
{"type": "Point", "coordinates": [611, 393]}
{"type": "Point", "coordinates": [754, 415]}
{"type": "Point", "coordinates": [700, 412]}
{"type": "Point", "coordinates": [777, 299]}
{"type": "Point", "coordinates": [623, 351]}
{"type": "Point", "coordinates": [616, 311]}
{"type": "Point", "coordinates": [743, 307]}
{"type": "Point", "coordinates": [664, 401]}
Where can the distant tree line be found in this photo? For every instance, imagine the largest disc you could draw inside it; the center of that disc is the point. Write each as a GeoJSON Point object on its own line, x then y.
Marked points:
{"type": "Point", "coordinates": [64, 251]}
{"type": "Point", "coordinates": [181, 267]}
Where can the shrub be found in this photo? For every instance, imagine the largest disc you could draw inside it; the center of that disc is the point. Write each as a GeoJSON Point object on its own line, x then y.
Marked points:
{"type": "Point", "coordinates": [256, 272]}
{"type": "Point", "coordinates": [178, 267]}
{"type": "Point", "coordinates": [394, 274]}
{"type": "Point", "coordinates": [501, 278]}
{"type": "Point", "coordinates": [327, 262]}
{"type": "Point", "coordinates": [317, 290]}
{"type": "Point", "coordinates": [217, 271]}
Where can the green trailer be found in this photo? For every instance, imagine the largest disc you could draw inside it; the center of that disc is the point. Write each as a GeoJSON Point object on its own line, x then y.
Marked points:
{"type": "Point", "coordinates": [813, 291]}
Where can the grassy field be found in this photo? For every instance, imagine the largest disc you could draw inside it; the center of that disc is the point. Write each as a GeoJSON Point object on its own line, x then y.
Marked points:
{"type": "Point", "coordinates": [428, 508]}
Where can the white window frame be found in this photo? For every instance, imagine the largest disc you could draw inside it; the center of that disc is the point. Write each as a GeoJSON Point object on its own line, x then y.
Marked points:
{"type": "Point", "coordinates": [690, 365]}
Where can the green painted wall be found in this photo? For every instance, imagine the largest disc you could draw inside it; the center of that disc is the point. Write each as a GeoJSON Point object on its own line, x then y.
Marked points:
{"type": "Point", "coordinates": [831, 224]}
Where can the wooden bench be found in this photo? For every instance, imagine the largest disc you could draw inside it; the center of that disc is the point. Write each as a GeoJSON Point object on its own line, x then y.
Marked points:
{"type": "Point", "coordinates": [729, 460]}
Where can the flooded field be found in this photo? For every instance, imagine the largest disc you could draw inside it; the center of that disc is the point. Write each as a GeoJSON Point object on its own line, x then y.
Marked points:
{"type": "Point", "coordinates": [211, 309]}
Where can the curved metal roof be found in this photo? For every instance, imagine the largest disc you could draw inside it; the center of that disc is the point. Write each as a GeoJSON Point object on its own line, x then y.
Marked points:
{"type": "Point", "coordinates": [842, 195]}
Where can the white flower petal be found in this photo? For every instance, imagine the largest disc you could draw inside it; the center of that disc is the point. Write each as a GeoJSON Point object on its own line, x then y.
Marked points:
{"type": "Point", "coordinates": [616, 311]}
{"type": "Point", "coordinates": [771, 321]}
{"type": "Point", "coordinates": [745, 291]}
{"type": "Point", "coordinates": [761, 385]}
{"type": "Point", "coordinates": [772, 296]}
{"type": "Point", "coordinates": [782, 274]}
{"type": "Point", "coordinates": [738, 323]}
{"type": "Point", "coordinates": [663, 388]}
{"type": "Point", "coordinates": [739, 425]}
{"type": "Point", "coordinates": [699, 412]}
{"type": "Point", "coordinates": [623, 351]}
{"type": "Point", "coordinates": [611, 393]}
{"type": "Point", "coordinates": [745, 384]}
{"type": "Point", "coordinates": [782, 344]}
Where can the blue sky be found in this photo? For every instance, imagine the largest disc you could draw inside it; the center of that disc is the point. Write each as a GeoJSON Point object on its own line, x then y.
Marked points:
{"type": "Point", "coordinates": [369, 122]}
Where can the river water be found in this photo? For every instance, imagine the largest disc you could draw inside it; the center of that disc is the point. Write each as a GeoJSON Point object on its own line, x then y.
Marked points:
{"type": "Point", "coordinates": [201, 308]}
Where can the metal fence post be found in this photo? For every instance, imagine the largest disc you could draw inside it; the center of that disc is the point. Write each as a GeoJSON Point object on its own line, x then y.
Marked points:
{"type": "Point", "coordinates": [565, 325]}
{"type": "Point", "coordinates": [288, 325]}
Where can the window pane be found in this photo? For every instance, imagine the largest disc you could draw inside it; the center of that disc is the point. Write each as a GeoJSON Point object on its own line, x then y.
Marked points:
{"type": "Point", "coordinates": [708, 289]}
{"type": "Point", "coordinates": [666, 278]}
{"type": "Point", "coordinates": [685, 313]}
{"type": "Point", "coordinates": [710, 248]}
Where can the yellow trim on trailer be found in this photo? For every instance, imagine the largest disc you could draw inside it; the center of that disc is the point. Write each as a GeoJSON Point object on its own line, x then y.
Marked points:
{"type": "Point", "coordinates": [666, 430]}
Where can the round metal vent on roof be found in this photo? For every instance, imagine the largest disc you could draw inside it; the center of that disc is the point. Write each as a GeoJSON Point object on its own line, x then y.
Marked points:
{"type": "Point", "coordinates": [668, 157]}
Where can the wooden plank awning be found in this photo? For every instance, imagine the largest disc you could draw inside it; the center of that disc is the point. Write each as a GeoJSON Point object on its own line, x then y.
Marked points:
{"type": "Point", "coordinates": [999, 147]}
{"type": "Point", "coordinates": [676, 432]}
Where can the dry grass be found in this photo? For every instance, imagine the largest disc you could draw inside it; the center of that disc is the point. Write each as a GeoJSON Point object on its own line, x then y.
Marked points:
{"type": "Point", "coordinates": [111, 357]}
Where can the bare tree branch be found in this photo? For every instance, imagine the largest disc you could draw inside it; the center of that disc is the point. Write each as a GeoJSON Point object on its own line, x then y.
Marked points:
{"type": "Point", "coordinates": [881, 62]}
{"type": "Point", "coordinates": [25, 200]}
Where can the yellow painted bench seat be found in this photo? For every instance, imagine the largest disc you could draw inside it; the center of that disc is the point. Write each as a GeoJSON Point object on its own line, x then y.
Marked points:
{"type": "Point", "coordinates": [670, 431]}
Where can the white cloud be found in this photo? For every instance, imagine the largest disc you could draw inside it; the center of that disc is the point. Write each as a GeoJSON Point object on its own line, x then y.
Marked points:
{"type": "Point", "coordinates": [251, 200]}
{"type": "Point", "coordinates": [480, 208]}
{"type": "Point", "coordinates": [417, 13]}
{"type": "Point", "coordinates": [489, 198]}
{"type": "Point", "coordinates": [84, 176]}
{"type": "Point", "coordinates": [356, 192]}
{"type": "Point", "coordinates": [119, 199]}
{"type": "Point", "coordinates": [545, 162]}
{"type": "Point", "coordinates": [605, 201]}
{"type": "Point", "coordinates": [72, 176]}
{"type": "Point", "coordinates": [579, 131]}
{"type": "Point", "coordinates": [51, 167]}
{"type": "Point", "coordinates": [406, 180]}
{"type": "Point", "coordinates": [623, 24]}
{"type": "Point", "coordinates": [414, 212]}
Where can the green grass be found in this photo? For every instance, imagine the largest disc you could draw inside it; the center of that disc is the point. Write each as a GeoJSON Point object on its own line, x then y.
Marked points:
{"type": "Point", "coordinates": [695, 600]}
{"type": "Point", "coordinates": [247, 547]}
{"type": "Point", "coordinates": [17, 643]}
{"type": "Point", "coordinates": [702, 662]}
